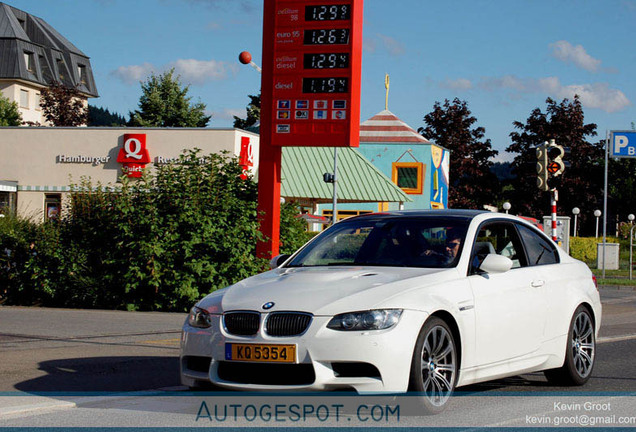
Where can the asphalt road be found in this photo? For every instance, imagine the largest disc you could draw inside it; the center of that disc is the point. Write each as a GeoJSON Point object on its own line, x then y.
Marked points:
{"type": "Point", "coordinates": [79, 351]}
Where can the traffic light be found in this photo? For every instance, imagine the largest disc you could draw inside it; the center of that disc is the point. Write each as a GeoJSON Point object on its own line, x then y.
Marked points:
{"type": "Point", "coordinates": [555, 165]}
{"type": "Point", "coordinates": [542, 167]}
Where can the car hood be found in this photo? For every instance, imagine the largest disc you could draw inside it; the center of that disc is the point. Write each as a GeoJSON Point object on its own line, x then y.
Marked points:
{"type": "Point", "coordinates": [323, 290]}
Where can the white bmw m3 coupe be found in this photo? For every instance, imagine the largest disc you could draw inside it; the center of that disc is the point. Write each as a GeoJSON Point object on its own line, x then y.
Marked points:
{"type": "Point", "coordinates": [423, 301]}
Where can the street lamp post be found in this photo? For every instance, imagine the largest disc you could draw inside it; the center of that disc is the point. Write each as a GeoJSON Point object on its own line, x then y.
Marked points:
{"type": "Point", "coordinates": [575, 212]}
{"type": "Point", "coordinates": [506, 206]}
{"type": "Point", "coordinates": [631, 245]}
{"type": "Point", "coordinates": [597, 214]}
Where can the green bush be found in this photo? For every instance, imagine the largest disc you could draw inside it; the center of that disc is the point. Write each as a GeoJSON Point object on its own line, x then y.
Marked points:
{"type": "Point", "coordinates": [585, 249]}
{"type": "Point", "coordinates": [158, 243]}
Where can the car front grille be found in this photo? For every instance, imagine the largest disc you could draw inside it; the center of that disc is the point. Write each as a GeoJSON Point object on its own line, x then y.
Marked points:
{"type": "Point", "coordinates": [267, 374]}
{"type": "Point", "coordinates": [242, 323]}
{"type": "Point", "coordinates": [287, 323]}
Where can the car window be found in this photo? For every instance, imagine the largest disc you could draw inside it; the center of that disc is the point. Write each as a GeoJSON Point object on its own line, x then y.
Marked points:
{"type": "Point", "coordinates": [540, 250]}
{"type": "Point", "coordinates": [500, 239]}
{"type": "Point", "coordinates": [399, 242]}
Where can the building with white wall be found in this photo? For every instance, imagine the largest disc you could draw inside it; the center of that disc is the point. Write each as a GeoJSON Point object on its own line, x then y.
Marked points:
{"type": "Point", "coordinates": [38, 165]}
{"type": "Point", "coordinates": [32, 56]}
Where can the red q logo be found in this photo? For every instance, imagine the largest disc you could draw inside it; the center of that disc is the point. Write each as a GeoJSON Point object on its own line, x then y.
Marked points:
{"type": "Point", "coordinates": [246, 157]}
{"type": "Point", "coordinates": [133, 154]}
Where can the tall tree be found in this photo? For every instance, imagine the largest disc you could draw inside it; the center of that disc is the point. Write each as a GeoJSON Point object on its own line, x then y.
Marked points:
{"type": "Point", "coordinates": [9, 113]}
{"type": "Point", "coordinates": [472, 184]}
{"type": "Point", "coordinates": [165, 103]}
{"type": "Point", "coordinates": [63, 106]}
{"type": "Point", "coordinates": [581, 184]}
{"type": "Point", "coordinates": [253, 116]}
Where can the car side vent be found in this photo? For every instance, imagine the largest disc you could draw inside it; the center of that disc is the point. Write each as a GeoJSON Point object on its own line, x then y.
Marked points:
{"type": "Point", "coordinates": [287, 323]}
{"type": "Point", "coordinates": [242, 323]}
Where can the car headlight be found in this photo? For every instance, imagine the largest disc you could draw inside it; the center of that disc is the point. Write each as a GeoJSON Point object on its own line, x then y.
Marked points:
{"type": "Point", "coordinates": [199, 318]}
{"type": "Point", "coordinates": [378, 319]}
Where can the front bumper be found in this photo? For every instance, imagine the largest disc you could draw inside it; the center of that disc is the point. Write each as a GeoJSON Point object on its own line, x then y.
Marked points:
{"type": "Point", "coordinates": [367, 362]}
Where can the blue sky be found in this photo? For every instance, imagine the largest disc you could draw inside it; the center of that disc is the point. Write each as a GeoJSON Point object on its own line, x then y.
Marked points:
{"type": "Point", "coordinates": [503, 57]}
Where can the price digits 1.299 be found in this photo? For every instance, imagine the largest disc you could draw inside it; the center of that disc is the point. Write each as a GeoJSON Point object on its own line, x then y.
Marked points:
{"type": "Point", "coordinates": [327, 13]}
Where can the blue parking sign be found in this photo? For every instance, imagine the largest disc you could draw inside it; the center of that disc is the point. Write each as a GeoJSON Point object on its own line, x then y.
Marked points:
{"type": "Point", "coordinates": [623, 144]}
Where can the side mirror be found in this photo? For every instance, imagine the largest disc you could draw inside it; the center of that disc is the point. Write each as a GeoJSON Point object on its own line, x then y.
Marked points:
{"type": "Point", "coordinates": [278, 260]}
{"type": "Point", "coordinates": [494, 263]}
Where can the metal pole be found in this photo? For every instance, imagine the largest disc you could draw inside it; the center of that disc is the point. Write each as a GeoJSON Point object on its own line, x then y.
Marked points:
{"type": "Point", "coordinates": [597, 227]}
{"type": "Point", "coordinates": [575, 216]}
{"type": "Point", "coordinates": [631, 245]}
{"type": "Point", "coordinates": [605, 199]}
{"type": "Point", "coordinates": [334, 217]}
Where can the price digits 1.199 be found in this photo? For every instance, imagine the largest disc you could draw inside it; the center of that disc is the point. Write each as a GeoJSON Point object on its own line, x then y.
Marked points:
{"type": "Point", "coordinates": [327, 13]}
{"type": "Point", "coordinates": [325, 85]}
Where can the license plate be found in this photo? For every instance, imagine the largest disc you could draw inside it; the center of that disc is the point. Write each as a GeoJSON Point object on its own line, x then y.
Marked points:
{"type": "Point", "coordinates": [261, 353]}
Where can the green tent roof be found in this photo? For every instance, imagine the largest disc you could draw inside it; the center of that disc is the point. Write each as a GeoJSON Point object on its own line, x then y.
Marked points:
{"type": "Point", "coordinates": [358, 179]}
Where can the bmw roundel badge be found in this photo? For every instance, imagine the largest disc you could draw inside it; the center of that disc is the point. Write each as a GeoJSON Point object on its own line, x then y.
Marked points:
{"type": "Point", "coordinates": [268, 305]}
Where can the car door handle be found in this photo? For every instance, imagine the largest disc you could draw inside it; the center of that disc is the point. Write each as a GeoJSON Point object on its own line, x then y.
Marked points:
{"type": "Point", "coordinates": [537, 283]}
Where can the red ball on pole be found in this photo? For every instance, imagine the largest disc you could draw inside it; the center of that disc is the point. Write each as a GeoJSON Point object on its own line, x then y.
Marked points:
{"type": "Point", "coordinates": [245, 57]}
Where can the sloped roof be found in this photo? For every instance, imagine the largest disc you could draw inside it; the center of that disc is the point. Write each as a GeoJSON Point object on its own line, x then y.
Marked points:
{"type": "Point", "coordinates": [358, 179]}
{"type": "Point", "coordinates": [55, 57]}
{"type": "Point", "coordinates": [386, 127]}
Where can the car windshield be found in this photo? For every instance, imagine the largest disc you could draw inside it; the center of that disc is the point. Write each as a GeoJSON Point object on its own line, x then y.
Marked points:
{"type": "Point", "coordinates": [395, 242]}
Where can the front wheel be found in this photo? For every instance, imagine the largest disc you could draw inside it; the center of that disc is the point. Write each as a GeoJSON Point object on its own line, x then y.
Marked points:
{"type": "Point", "coordinates": [580, 352]}
{"type": "Point", "coordinates": [434, 366]}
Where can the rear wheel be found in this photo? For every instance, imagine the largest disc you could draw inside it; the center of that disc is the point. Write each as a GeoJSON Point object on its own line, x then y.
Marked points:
{"type": "Point", "coordinates": [434, 366]}
{"type": "Point", "coordinates": [580, 352]}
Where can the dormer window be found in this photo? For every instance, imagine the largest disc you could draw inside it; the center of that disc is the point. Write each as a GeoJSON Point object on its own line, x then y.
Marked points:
{"type": "Point", "coordinates": [29, 60]}
{"type": "Point", "coordinates": [81, 71]}
{"type": "Point", "coordinates": [60, 69]}
{"type": "Point", "coordinates": [22, 23]}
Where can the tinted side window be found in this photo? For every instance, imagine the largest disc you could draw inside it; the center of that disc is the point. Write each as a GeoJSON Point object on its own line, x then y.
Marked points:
{"type": "Point", "coordinates": [497, 238]}
{"type": "Point", "coordinates": [540, 250]}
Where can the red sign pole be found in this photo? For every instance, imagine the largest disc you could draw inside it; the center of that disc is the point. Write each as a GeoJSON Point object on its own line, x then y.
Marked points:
{"type": "Point", "coordinates": [310, 90]}
{"type": "Point", "coordinates": [270, 156]}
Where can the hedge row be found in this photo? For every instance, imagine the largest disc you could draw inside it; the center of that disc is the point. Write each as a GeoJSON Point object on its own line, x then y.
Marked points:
{"type": "Point", "coordinates": [159, 243]}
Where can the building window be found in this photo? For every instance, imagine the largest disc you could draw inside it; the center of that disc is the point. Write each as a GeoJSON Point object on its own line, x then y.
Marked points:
{"type": "Point", "coordinates": [46, 70]}
{"type": "Point", "coordinates": [37, 102]}
{"type": "Point", "coordinates": [52, 206]}
{"type": "Point", "coordinates": [81, 71]}
{"type": "Point", "coordinates": [60, 69]}
{"type": "Point", "coordinates": [409, 176]}
{"type": "Point", "coordinates": [29, 60]}
{"type": "Point", "coordinates": [22, 23]}
{"type": "Point", "coordinates": [24, 98]}
{"type": "Point", "coordinates": [7, 203]}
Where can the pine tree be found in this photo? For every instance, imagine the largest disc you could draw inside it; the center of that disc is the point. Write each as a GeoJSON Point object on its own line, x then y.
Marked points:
{"type": "Point", "coordinates": [165, 103]}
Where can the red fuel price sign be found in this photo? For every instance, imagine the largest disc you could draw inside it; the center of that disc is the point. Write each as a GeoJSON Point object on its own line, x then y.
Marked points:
{"type": "Point", "coordinates": [312, 53]}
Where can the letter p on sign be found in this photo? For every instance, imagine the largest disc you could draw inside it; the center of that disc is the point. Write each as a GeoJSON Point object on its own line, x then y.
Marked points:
{"type": "Point", "coordinates": [623, 144]}
{"type": "Point", "coordinates": [620, 143]}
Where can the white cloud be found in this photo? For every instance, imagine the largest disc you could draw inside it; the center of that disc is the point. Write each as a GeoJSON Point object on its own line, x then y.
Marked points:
{"type": "Point", "coordinates": [576, 54]}
{"type": "Point", "coordinates": [596, 95]}
{"type": "Point", "coordinates": [457, 84]}
{"type": "Point", "coordinates": [387, 43]}
{"type": "Point", "coordinates": [133, 74]}
{"type": "Point", "coordinates": [199, 72]}
{"type": "Point", "coordinates": [191, 71]}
